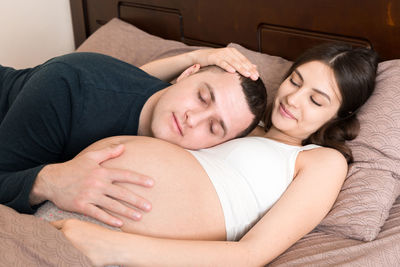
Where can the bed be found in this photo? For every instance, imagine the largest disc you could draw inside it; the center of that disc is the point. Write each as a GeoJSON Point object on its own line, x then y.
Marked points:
{"type": "Point", "coordinates": [363, 227]}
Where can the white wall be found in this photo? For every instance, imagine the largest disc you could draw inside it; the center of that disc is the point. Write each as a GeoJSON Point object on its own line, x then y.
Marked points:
{"type": "Point", "coordinates": [32, 31]}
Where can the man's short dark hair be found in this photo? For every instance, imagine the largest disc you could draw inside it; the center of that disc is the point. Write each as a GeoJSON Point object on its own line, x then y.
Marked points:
{"type": "Point", "coordinates": [256, 97]}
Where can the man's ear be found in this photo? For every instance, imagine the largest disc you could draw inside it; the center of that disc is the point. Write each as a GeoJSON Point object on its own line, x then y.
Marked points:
{"type": "Point", "coordinates": [189, 71]}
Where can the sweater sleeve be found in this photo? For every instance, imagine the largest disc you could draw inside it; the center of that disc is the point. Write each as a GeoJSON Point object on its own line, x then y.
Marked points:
{"type": "Point", "coordinates": [32, 134]}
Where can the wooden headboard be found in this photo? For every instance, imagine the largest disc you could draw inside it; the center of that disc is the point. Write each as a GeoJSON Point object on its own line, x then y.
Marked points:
{"type": "Point", "coordinates": [284, 28]}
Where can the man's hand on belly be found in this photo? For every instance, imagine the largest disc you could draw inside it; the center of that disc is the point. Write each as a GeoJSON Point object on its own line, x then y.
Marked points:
{"type": "Point", "coordinates": [82, 185]}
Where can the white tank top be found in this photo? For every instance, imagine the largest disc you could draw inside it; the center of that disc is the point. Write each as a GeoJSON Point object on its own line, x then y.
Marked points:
{"type": "Point", "coordinates": [249, 175]}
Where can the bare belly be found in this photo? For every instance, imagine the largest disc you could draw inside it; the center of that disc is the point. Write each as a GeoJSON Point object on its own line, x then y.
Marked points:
{"type": "Point", "coordinates": [185, 204]}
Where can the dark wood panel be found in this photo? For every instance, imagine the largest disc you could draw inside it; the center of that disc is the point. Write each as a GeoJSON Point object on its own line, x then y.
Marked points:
{"type": "Point", "coordinates": [163, 22]}
{"type": "Point", "coordinates": [78, 22]}
{"type": "Point", "coordinates": [221, 22]}
{"type": "Point", "coordinates": [288, 43]}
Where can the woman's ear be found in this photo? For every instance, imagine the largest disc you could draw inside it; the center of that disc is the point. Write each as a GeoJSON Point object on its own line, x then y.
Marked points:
{"type": "Point", "coordinates": [189, 71]}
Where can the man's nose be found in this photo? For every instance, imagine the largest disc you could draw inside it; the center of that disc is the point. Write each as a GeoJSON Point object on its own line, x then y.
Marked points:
{"type": "Point", "coordinates": [194, 118]}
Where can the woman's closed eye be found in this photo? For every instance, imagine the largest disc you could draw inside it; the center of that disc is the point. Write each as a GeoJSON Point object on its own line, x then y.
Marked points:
{"type": "Point", "coordinates": [314, 101]}
{"type": "Point", "coordinates": [293, 82]}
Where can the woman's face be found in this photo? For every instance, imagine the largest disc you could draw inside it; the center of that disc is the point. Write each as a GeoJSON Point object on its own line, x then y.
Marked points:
{"type": "Point", "coordinates": [306, 100]}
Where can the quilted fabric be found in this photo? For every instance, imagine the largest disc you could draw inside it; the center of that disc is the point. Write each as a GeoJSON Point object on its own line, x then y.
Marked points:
{"type": "Point", "coordinates": [320, 249]}
{"type": "Point", "coordinates": [29, 241]}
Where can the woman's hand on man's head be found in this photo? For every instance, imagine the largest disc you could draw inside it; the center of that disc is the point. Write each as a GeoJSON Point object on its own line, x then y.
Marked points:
{"type": "Point", "coordinates": [228, 58]}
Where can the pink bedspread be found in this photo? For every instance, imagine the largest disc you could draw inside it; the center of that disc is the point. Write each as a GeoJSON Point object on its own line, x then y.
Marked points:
{"type": "Point", "coordinates": [29, 241]}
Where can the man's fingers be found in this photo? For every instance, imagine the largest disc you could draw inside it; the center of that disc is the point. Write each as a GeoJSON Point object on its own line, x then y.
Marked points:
{"type": "Point", "coordinates": [118, 175]}
{"type": "Point", "coordinates": [102, 216]}
{"type": "Point", "coordinates": [121, 209]}
{"type": "Point", "coordinates": [106, 153]}
{"type": "Point", "coordinates": [121, 193]}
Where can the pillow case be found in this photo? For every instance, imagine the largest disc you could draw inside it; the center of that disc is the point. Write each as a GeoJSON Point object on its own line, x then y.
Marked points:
{"type": "Point", "coordinates": [130, 44]}
{"type": "Point", "coordinates": [372, 183]}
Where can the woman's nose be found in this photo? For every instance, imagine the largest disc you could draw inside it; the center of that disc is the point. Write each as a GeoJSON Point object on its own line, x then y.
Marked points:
{"type": "Point", "coordinates": [294, 98]}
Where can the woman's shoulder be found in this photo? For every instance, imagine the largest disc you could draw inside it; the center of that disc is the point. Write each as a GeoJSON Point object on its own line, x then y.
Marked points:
{"type": "Point", "coordinates": [323, 160]}
{"type": "Point", "coordinates": [323, 155]}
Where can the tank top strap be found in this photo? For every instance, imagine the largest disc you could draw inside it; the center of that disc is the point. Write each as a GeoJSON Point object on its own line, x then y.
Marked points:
{"type": "Point", "coordinates": [309, 147]}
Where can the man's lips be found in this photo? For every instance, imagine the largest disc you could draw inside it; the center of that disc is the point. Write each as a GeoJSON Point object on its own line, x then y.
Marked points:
{"type": "Point", "coordinates": [177, 124]}
{"type": "Point", "coordinates": [286, 112]}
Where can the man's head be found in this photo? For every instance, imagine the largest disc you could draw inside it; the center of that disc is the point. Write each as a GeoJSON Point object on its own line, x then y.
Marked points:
{"type": "Point", "coordinates": [207, 107]}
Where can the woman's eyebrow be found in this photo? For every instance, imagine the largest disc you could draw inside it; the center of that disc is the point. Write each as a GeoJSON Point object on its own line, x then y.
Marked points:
{"type": "Point", "coordinates": [314, 89]}
{"type": "Point", "coordinates": [298, 73]}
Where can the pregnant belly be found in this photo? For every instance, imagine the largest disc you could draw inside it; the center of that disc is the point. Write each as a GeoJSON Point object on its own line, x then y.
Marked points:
{"type": "Point", "coordinates": [184, 202]}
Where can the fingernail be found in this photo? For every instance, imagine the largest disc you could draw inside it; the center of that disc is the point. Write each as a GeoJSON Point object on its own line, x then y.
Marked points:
{"type": "Point", "coordinates": [117, 223]}
{"type": "Point", "coordinates": [149, 182]}
{"type": "Point", "coordinates": [232, 70]}
{"type": "Point", "coordinates": [146, 206]}
{"type": "Point", "coordinates": [115, 145]}
{"type": "Point", "coordinates": [137, 216]}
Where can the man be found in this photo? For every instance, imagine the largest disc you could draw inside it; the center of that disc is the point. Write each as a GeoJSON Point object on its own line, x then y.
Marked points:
{"type": "Point", "coordinates": [53, 111]}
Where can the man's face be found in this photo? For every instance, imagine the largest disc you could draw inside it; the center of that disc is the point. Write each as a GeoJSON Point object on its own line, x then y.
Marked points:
{"type": "Point", "coordinates": [201, 110]}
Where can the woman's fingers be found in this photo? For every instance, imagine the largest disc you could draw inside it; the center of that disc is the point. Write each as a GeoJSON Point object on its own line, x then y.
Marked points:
{"type": "Point", "coordinates": [58, 224]}
{"type": "Point", "coordinates": [231, 60]}
{"type": "Point", "coordinates": [226, 66]}
{"type": "Point", "coordinates": [246, 66]}
{"type": "Point", "coordinates": [91, 239]}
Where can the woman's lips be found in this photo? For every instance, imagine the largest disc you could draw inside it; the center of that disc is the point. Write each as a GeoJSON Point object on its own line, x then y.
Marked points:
{"type": "Point", "coordinates": [177, 124]}
{"type": "Point", "coordinates": [285, 112]}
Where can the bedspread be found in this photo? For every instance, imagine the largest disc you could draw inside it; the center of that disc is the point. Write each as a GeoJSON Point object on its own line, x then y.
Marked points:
{"type": "Point", "coordinates": [29, 241]}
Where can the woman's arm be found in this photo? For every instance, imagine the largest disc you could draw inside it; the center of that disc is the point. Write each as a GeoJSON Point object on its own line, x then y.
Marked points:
{"type": "Point", "coordinates": [304, 204]}
{"type": "Point", "coordinates": [229, 59]}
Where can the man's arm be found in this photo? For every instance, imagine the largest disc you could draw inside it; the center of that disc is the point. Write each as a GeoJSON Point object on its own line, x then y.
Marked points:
{"type": "Point", "coordinates": [33, 136]}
